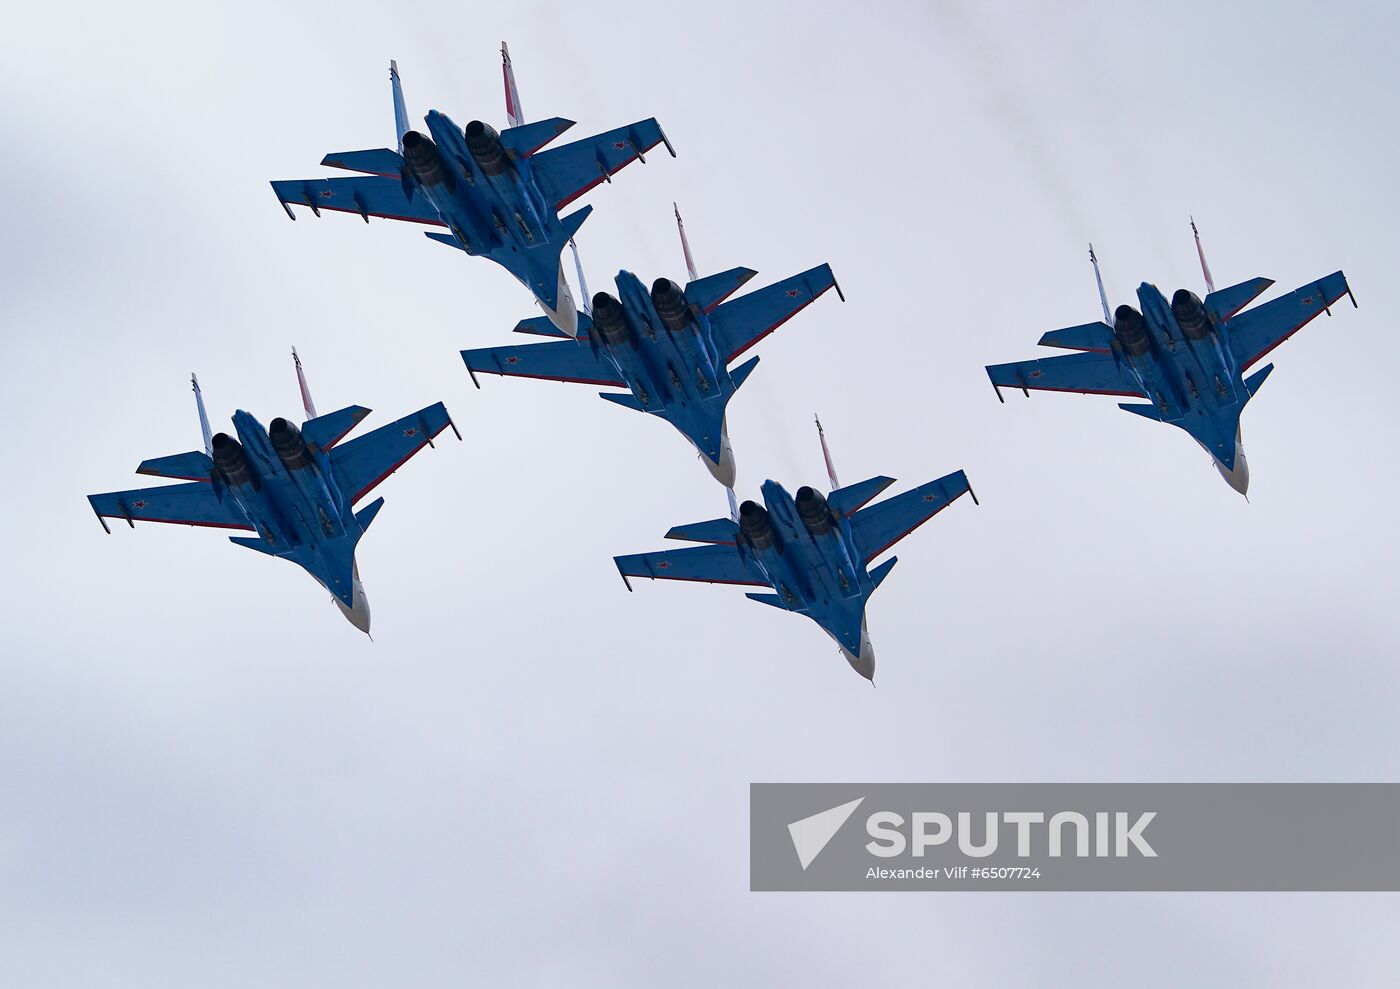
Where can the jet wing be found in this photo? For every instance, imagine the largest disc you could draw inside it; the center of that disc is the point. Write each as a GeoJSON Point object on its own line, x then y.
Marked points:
{"type": "Point", "coordinates": [742, 322]}
{"type": "Point", "coordinates": [360, 464]}
{"type": "Point", "coordinates": [195, 503]}
{"type": "Point", "coordinates": [366, 195]}
{"type": "Point", "coordinates": [880, 526]}
{"type": "Point", "coordinates": [568, 171]}
{"type": "Point", "coordinates": [1089, 373]}
{"type": "Point", "coordinates": [1257, 331]}
{"type": "Point", "coordinates": [711, 564]}
{"type": "Point", "coordinates": [566, 360]}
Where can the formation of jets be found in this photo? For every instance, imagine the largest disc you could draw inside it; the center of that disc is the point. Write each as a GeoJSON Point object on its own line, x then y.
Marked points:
{"type": "Point", "coordinates": [670, 350]}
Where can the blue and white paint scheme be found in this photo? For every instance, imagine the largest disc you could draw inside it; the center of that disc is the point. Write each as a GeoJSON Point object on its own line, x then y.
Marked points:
{"type": "Point", "coordinates": [294, 487]}
{"type": "Point", "coordinates": [669, 346]}
{"type": "Point", "coordinates": [1188, 357]}
{"type": "Point", "coordinates": [812, 551]}
{"type": "Point", "coordinates": [497, 194]}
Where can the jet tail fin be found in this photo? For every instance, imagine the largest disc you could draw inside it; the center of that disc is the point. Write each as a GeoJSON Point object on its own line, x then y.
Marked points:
{"type": "Point", "coordinates": [741, 373]}
{"type": "Point", "coordinates": [1255, 381]}
{"type": "Point", "coordinates": [571, 223]}
{"type": "Point", "coordinates": [192, 466]}
{"type": "Point", "coordinates": [1146, 411]}
{"type": "Point", "coordinates": [848, 500]}
{"type": "Point", "coordinates": [203, 418]}
{"type": "Point", "coordinates": [525, 139]}
{"type": "Point", "coordinates": [542, 326]}
{"type": "Point", "coordinates": [1231, 299]}
{"type": "Point", "coordinates": [514, 113]}
{"type": "Point", "coordinates": [710, 291]}
{"type": "Point", "coordinates": [879, 574]}
{"type": "Point", "coordinates": [400, 112]}
{"type": "Point", "coordinates": [327, 430]}
{"type": "Point", "coordinates": [366, 515]}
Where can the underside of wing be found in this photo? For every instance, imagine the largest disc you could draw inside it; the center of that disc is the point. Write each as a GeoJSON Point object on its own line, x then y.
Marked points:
{"type": "Point", "coordinates": [740, 323]}
{"type": "Point", "coordinates": [195, 503]}
{"type": "Point", "coordinates": [364, 195]}
{"type": "Point", "coordinates": [361, 463]}
{"type": "Point", "coordinates": [1088, 373]}
{"type": "Point", "coordinates": [879, 526]}
{"type": "Point", "coordinates": [566, 360]}
{"type": "Point", "coordinates": [568, 171]}
{"type": "Point", "coordinates": [718, 564]}
{"type": "Point", "coordinates": [1255, 332]}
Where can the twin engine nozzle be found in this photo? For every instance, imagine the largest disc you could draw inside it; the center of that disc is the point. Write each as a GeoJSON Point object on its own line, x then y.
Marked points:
{"type": "Point", "coordinates": [813, 510]}
{"type": "Point", "coordinates": [1130, 328]}
{"type": "Point", "coordinates": [288, 444]}
{"type": "Point", "coordinates": [425, 161]}
{"type": "Point", "coordinates": [669, 300]}
{"type": "Point", "coordinates": [484, 145]}
{"type": "Point", "coordinates": [608, 318]}
{"type": "Point", "coordinates": [756, 526]}
{"type": "Point", "coordinates": [1190, 314]}
{"type": "Point", "coordinates": [231, 461]}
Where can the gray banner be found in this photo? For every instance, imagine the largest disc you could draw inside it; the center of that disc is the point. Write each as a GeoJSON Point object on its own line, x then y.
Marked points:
{"type": "Point", "coordinates": [1074, 836]}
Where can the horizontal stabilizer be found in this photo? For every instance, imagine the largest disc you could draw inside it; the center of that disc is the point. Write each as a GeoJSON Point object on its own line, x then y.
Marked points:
{"type": "Point", "coordinates": [366, 515]}
{"type": "Point", "coordinates": [192, 466]}
{"type": "Point", "coordinates": [879, 574]}
{"type": "Point", "coordinates": [378, 161]}
{"type": "Point", "coordinates": [326, 431]}
{"type": "Point", "coordinates": [447, 239]}
{"type": "Point", "coordinates": [741, 373]}
{"type": "Point", "coordinates": [1228, 301]}
{"type": "Point", "coordinates": [1146, 411]}
{"type": "Point", "coordinates": [567, 172]}
{"type": "Point", "coordinates": [526, 139]}
{"type": "Point", "coordinates": [572, 222]}
{"type": "Point", "coordinates": [1096, 337]}
{"type": "Point", "coordinates": [770, 599]}
{"type": "Point", "coordinates": [541, 326]}
{"type": "Point", "coordinates": [1255, 381]}
{"type": "Point", "coordinates": [848, 500]}
{"type": "Point", "coordinates": [740, 323]}
{"type": "Point", "coordinates": [253, 542]}
{"type": "Point", "coordinates": [711, 290]}
{"type": "Point", "coordinates": [718, 531]}
{"type": "Point", "coordinates": [363, 462]}
{"type": "Point", "coordinates": [880, 526]}
{"type": "Point", "coordinates": [625, 399]}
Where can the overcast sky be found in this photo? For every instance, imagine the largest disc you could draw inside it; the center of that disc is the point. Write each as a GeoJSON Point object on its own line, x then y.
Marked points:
{"type": "Point", "coordinates": [532, 777]}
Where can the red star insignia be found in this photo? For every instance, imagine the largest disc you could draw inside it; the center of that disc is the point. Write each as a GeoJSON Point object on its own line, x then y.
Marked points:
{"type": "Point", "coordinates": [1036, 374]}
{"type": "Point", "coordinates": [663, 565]}
{"type": "Point", "coordinates": [1307, 300]}
{"type": "Point", "coordinates": [620, 145]}
{"type": "Point", "coordinates": [512, 360]}
{"type": "Point", "coordinates": [138, 504]}
{"type": "Point", "coordinates": [792, 293]}
{"type": "Point", "coordinates": [928, 497]}
{"type": "Point", "coordinates": [410, 431]}
{"type": "Point", "coordinates": [327, 194]}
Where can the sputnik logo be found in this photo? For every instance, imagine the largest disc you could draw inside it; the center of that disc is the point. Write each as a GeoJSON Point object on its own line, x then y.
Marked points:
{"type": "Point", "coordinates": [811, 834]}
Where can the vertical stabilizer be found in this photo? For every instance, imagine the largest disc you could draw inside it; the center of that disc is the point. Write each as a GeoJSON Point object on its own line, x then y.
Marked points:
{"type": "Point", "coordinates": [306, 402]}
{"type": "Point", "coordinates": [685, 244]}
{"type": "Point", "coordinates": [203, 418]}
{"type": "Point", "coordinates": [826, 455]}
{"type": "Point", "coordinates": [400, 113]}
{"type": "Point", "coordinates": [1200, 253]}
{"type": "Point", "coordinates": [514, 115]}
{"type": "Point", "coordinates": [1098, 280]}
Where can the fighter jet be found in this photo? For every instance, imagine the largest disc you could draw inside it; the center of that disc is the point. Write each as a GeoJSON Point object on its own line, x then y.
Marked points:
{"type": "Point", "coordinates": [1187, 357]}
{"type": "Point", "coordinates": [294, 487]}
{"type": "Point", "coordinates": [813, 550]}
{"type": "Point", "coordinates": [498, 194]}
{"type": "Point", "coordinates": [671, 347]}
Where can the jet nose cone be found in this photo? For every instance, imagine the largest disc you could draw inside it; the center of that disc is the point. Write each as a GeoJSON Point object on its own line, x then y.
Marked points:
{"type": "Point", "coordinates": [864, 661]}
{"type": "Point", "coordinates": [1237, 474]}
{"type": "Point", "coordinates": [722, 468]}
{"type": "Point", "coordinates": [565, 314]}
{"type": "Point", "coordinates": [356, 610]}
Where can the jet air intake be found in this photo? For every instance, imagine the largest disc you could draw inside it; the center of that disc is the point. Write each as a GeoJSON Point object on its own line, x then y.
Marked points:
{"type": "Point", "coordinates": [231, 462]}
{"type": "Point", "coordinates": [484, 145]}
{"type": "Point", "coordinates": [289, 445]}
{"type": "Point", "coordinates": [1190, 314]}
{"type": "Point", "coordinates": [756, 526]}
{"type": "Point", "coordinates": [609, 319]}
{"type": "Point", "coordinates": [425, 161]}
{"type": "Point", "coordinates": [813, 510]}
{"type": "Point", "coordinates": [1131, 330]}
{"type": "Point", "coordinates": [669, 301]}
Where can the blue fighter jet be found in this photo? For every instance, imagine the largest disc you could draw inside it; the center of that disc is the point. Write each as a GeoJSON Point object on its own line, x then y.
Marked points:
{"type": "Point", "coordinates": [498, 194]}
{"type": "Point", "coordinates": [671, 347]}
{"type": "Point", "coordinates": [1187, 357]}
{"type": "Point", "coordinates": [295, 488]}
{"type": "Point", "coordinates": [813, 550]}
